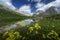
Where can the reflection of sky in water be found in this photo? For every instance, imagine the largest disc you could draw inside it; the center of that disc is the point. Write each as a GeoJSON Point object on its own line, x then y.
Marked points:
{"type": "Point", "coordinates": [16, 25]}
{"type": "Point", "coordinates": [28, 21]}
{"type": "Point", "coordinates": [25, 22]}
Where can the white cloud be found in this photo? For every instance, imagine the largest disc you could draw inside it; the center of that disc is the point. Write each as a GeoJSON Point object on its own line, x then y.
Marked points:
{"type": "Point", "coordinates": [8, 4]}
{"type": "Point", "coordinates": [54, 3]}
{"type": "Point", "coordinates": [25, 9]}
{"type": "Point", "coordinates": [39, 5]}
{"type": "Point", "coordinates": [57, 3]}
{"type": "Point", "coordinates": [46, 6]}
{"type": "Point", "coordinates": [34, 0]}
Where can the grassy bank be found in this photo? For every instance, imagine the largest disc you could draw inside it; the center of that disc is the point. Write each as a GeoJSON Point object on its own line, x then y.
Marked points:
{"type": "Point", "coordinates": [46, 28]}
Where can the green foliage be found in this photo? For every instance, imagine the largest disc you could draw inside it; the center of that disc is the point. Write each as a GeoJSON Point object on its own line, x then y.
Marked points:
{"type": "Point", "coordinates": [44, 28]}
{"type": "Point", "coordinates": [32, 32]}
{"type": "Point", "coordinates": [11, 35]}
{"type": "Point", "coordinates": [7, 16]}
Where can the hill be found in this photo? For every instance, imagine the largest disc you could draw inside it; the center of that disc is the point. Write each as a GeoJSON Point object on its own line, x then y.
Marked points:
{"type": "Point", "coordinates": [45, 28]}
{"type": "Point", "coordinates": [50, 11]}
{"type": "Point", "coordinates": [54, 16]}
{"type": "Point", "coordinates": [8, 16]}
{"type": "Point", "coordinates": [50, 22]}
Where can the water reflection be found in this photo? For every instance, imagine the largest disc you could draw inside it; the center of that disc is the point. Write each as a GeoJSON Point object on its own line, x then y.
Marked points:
{"type": "Point", "coordinates": [17, 24]}
{"type": "Point", "coordinates": [28, 21]}
{"type": "Point", "coordinates": [25, 22]}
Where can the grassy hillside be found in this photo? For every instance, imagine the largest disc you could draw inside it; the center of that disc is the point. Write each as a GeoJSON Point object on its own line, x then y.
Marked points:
{"type": "Point", "coordinates": [51, 20]}
{"type": "Point", "coordinates": [54, 16]}
{"type": "Point", "coordinates": [7, 16]}
{"type": "Point", "coordinates": [45, 28]}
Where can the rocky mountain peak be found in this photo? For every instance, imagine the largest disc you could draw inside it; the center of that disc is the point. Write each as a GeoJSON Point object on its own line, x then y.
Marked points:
{"type": "Point", "coordinates": [49, 11]}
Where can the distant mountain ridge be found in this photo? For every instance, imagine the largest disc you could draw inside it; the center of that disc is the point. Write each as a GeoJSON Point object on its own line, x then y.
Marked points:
{"type": "Point", "coordinates": [49, 11]}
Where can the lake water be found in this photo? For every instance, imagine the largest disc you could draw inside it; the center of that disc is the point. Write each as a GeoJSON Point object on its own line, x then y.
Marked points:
{"type": "Point", "coordinates": [17, 24]}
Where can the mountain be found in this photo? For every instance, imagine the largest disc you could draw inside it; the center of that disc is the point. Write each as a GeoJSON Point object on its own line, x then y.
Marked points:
{"type": "Point", "coordinates": [49, 11]}
{"type": "Point", "coordinates": [8, 16]}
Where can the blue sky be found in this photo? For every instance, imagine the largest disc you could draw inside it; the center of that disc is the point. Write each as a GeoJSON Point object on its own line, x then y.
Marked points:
{"type": "Point", "coordinates": [30, 6]}
{"type": "Point", "coordinates": [19, 3]}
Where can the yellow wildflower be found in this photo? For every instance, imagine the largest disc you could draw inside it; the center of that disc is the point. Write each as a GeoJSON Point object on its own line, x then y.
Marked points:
{"type": "Point", "coordinates": [37, 26]}
{"type": "Point", "coordinates": [17, 34]}
{"type": "Point", "coordinates": [36, 32]}
{"type": "Point", "coordinates": [52, 34]}
{"type": "Point", "coordinates": [31, 29]}
{"type": "Point", "coordinates": [5, 33]}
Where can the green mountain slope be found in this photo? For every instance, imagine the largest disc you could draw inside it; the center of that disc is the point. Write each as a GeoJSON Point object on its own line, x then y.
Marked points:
{"type": "Point", "coordinates": [7, 16]}
{"type": "Point", "coordinates": [45, 28]}
{"type": "Point", "coordinates": [50, 22]}
{"type": "Point", "coordinates": [54, 16]}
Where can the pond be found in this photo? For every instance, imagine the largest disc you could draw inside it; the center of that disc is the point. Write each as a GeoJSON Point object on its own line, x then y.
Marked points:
{"type": "Point", "coordinates": [17, 24]}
